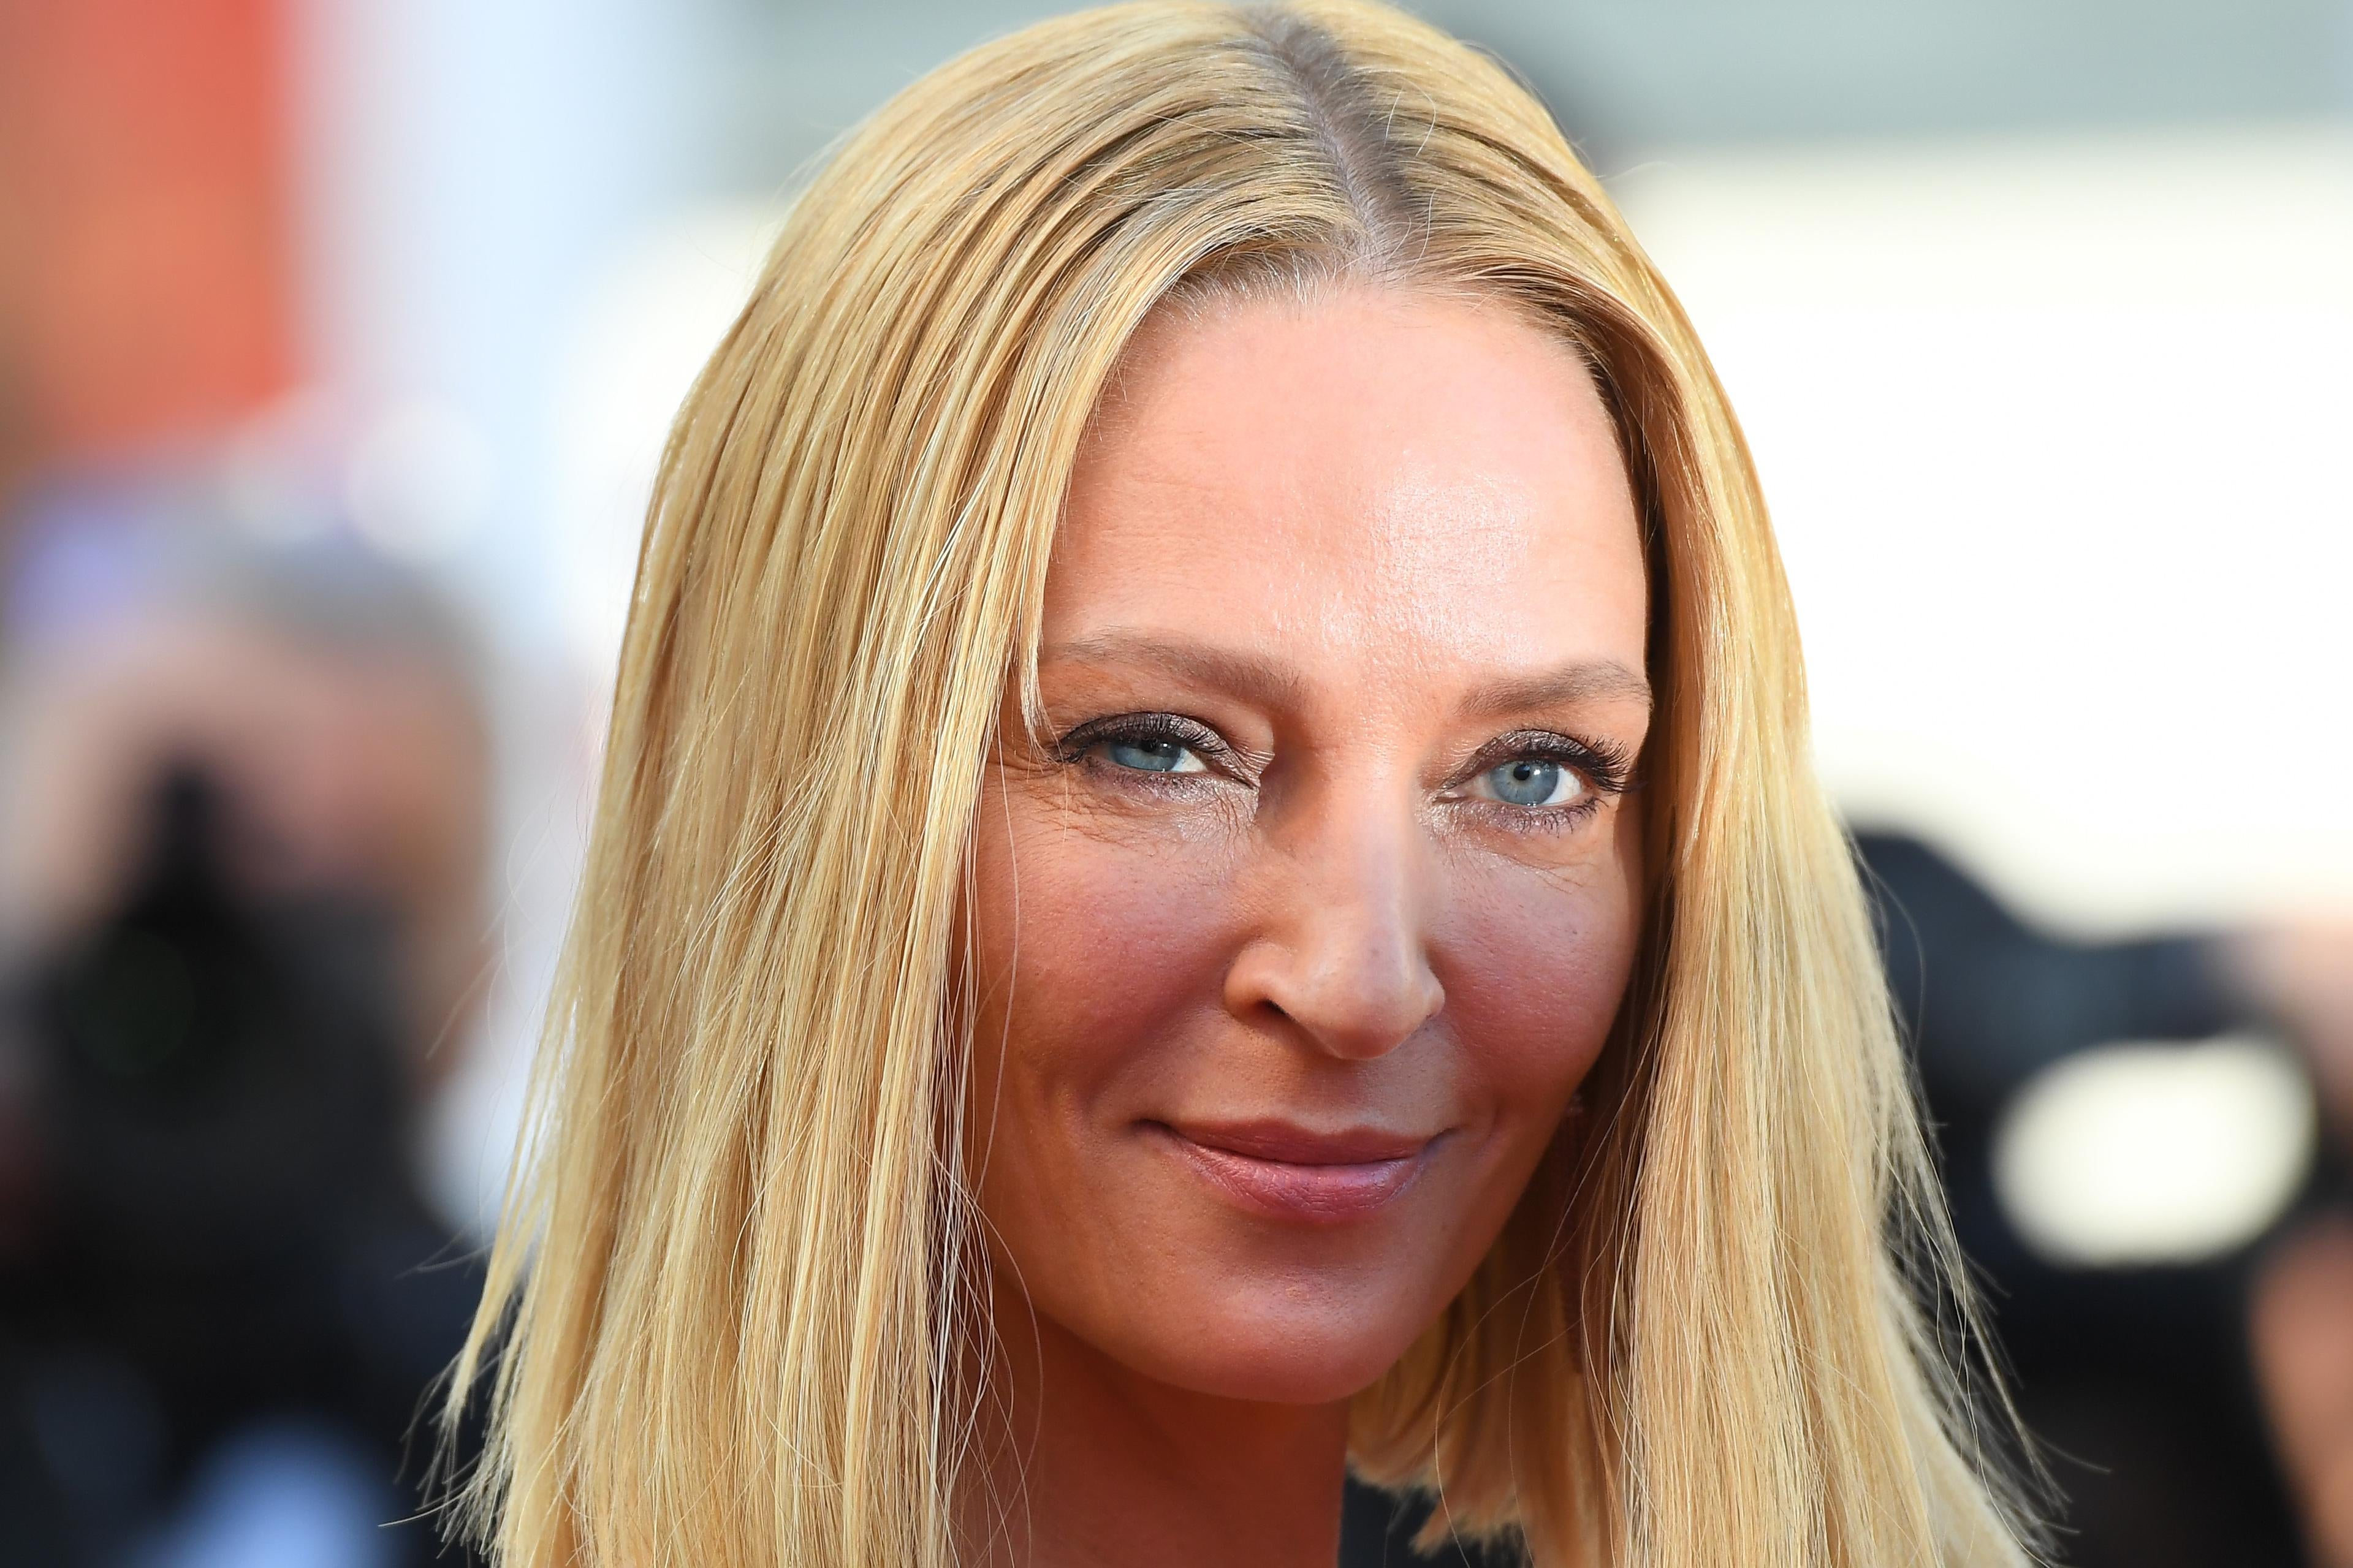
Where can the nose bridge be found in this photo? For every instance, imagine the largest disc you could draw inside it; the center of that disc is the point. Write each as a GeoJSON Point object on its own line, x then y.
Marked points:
{"type": "Point", "coordinates": [1343, 948]}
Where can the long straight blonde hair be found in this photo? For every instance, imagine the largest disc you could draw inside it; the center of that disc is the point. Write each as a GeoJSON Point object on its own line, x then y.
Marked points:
{"type": "Point", "coordinates": [726, 1305]}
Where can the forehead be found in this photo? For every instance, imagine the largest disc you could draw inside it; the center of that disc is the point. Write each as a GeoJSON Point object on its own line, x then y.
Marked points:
{"type": "Point", "coordinates": [1419, 480]}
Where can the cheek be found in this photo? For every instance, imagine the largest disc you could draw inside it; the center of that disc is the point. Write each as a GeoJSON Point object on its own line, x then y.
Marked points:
{"type": "Point", "coordinates": [1536, 966]}
{"type": "Point", "coordinates": [1095, 961]}
{"type": "Point", "coordinates": [1094, 958]}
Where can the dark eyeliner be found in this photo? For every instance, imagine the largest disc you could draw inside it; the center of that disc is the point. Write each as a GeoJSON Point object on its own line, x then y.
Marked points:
{"type": "Point", "coordinates": [1191, 733]}
{"type": "Point", "coordinates": [1605, 765]}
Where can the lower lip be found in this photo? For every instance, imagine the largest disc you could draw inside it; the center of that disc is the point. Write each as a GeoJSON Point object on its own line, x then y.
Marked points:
{"type": "Point", "coordinates": [1315, 1195]}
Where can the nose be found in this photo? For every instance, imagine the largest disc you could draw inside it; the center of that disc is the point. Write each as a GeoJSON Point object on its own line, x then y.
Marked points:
{"type": "Point", "coordinates": [1342, 951]}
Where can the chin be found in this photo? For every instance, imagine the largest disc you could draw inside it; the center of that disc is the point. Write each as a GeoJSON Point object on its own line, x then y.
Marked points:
{"type": "Point", "coordinates": [1283, 1341]}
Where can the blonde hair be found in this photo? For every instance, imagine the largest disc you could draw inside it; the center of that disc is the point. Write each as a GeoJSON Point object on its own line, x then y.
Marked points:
{"type": "Point", "coordinates": [733, 1278]}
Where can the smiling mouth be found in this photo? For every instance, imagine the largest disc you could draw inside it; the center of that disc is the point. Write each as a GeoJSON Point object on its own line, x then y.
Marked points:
{"type": "Point", "coordinates": [1287, 1172]}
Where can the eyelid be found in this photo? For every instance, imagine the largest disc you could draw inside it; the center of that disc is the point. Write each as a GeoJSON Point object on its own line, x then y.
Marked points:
{"type": "Point", "coordinates": [1604, 765]}
{"type": "Point", "coordinates": [1191, 733]}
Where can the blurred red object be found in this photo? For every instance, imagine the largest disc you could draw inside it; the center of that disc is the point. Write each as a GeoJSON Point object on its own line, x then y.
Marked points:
{"type": "Point", "coordinates": [146, 267]}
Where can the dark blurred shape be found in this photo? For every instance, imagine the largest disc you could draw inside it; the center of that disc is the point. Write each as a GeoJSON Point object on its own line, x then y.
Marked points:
{"type": "Point", "coordinates": [221, 1082]}
{"type": "Point", "coordinates": [1991, 1001]}
{"type": "Point", "coordinates": [1377, 1530]}
{"type": "Point", "coordinates": [2137, 1379]}
{"type": "Point", "coordinates": [226, 1296]}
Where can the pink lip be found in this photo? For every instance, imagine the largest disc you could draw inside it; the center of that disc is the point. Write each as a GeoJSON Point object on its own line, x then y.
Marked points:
{"type": "Point", "coordinates": [1290, 1173]}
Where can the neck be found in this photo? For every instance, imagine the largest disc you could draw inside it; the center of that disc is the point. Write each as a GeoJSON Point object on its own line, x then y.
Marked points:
{"type": "Point", "coordinates": [1080, 1462]}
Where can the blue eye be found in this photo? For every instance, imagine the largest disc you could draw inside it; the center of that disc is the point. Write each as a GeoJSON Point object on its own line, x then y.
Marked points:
{"type": "Point", "coordinates": [1532, 780]}
{"type": "Point", "coordinates": [1156, 755]}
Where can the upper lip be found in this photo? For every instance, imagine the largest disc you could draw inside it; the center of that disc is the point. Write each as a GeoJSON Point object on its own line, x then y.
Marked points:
{"type": "Point", "coordinates": [1291, 1144]}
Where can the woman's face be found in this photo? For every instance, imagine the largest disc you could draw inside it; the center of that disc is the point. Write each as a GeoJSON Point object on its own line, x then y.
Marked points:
{"type": "Point", "coordinates": [1293, 944]}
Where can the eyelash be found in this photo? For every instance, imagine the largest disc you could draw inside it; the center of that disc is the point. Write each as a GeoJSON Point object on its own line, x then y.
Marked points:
{"type": "Point", "coordinates": [1144, 727]}
{"type": "Point", "coordinates": [1605, 766]}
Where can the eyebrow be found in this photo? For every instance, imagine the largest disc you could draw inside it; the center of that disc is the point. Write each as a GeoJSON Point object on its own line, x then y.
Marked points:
{"type": "Point", "coordinates": [1587, 680]}
{"type": "Point", "coordinates": [1247, 676]}
{"type": "Point", "coordinates": [1226, 670]}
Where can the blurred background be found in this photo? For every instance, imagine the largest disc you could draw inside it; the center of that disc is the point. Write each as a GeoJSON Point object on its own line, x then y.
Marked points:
{"type": "Point", "coordinates": [338, 340]}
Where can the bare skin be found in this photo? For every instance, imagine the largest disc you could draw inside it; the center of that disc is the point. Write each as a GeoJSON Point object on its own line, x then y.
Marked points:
{"type": "Point", "coordinates": [2302, 1327]}
{"type": "Point", "coordinates": [1297, 934]}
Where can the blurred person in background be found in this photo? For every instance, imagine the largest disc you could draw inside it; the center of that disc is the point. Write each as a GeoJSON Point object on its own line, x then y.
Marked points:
{"type": "Point", "coordinates": [245, 812]}
{"type": "Point", "coordinates": [2137, 1379]}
